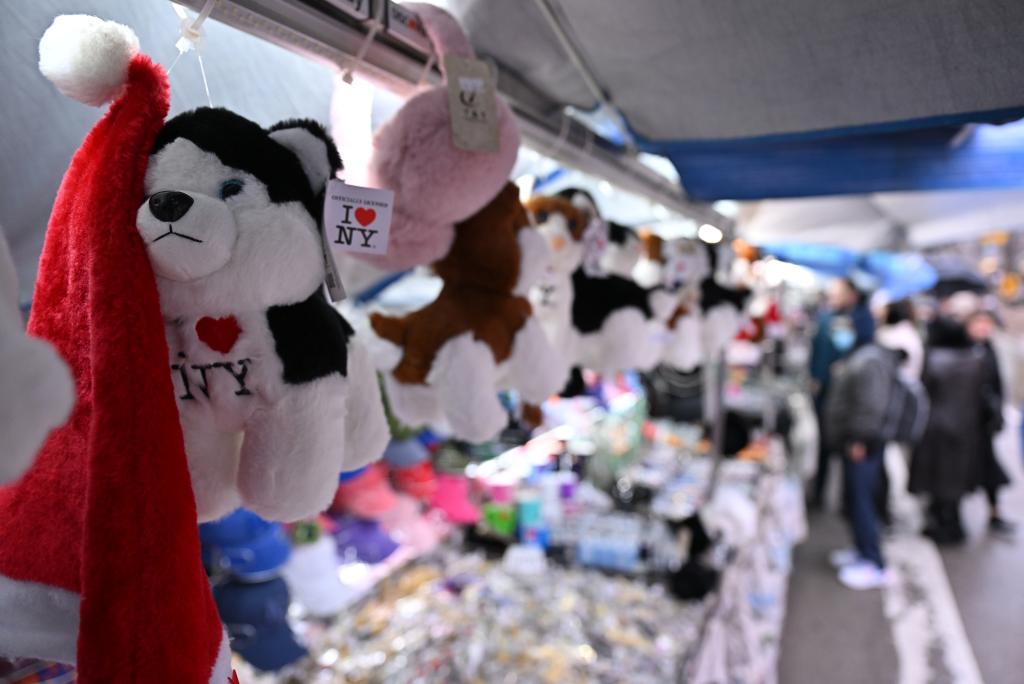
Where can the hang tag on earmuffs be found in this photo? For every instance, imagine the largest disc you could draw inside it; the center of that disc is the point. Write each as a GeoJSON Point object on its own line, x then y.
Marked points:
{"type": "Point", "coordinates": [472, 104]}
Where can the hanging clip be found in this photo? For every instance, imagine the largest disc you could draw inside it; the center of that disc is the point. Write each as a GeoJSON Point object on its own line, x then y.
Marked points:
{"type": "Point", "coordinates": [190, 28]}
{"type": "Point", "coordinates": [191, 37]}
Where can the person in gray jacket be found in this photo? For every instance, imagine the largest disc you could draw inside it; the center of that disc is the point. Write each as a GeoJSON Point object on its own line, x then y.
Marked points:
{"type": "Point", "coordinates": [855, 418]}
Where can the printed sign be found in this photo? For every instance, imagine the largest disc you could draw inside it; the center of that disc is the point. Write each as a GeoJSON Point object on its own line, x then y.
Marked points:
{"type": "Point", "coordinates": [472, 104]}
{"type": "Point", "coordinates": [356, 219]}
{"type": "Point", "coordinates": [356, 8]}
{"type": "Point", "coordinates": [404, 25]}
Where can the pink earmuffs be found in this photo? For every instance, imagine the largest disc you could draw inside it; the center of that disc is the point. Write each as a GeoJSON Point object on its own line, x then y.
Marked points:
{"type": "Point", "coordinates": [436, 184]}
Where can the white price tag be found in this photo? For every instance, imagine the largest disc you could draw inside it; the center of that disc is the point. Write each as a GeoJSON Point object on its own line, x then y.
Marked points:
{"type": "Point", "coordinates": [356, 219]}
{"type": "Point", "coordinates": [332, 278]}
{"type": "Point", "coordinates": [472, 104]}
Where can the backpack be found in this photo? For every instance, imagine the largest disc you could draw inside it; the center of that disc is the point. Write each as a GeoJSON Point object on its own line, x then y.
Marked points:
{"type": "Point", "coordinates": [907, 411]}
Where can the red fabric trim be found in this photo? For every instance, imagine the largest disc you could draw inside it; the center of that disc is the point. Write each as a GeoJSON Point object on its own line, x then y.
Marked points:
{"type": "Point", "coordinates": [107, 509]}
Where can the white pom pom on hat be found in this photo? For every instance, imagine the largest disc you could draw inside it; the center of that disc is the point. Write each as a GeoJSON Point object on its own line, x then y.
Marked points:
{"type": "Point", "coordinates": [87, 58]}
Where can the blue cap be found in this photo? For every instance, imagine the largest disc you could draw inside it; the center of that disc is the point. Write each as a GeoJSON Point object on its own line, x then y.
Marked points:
{"type": "Point", "coordinates": [255, 615]}
{"type": "Point", "coordinates": [245, 545]}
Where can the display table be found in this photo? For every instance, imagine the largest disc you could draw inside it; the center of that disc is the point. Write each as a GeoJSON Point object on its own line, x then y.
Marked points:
{"type": "Point", "coordinates": [461, 615]}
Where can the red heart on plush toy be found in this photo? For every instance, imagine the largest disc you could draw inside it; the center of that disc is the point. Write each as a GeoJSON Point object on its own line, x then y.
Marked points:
{"type": "Point", "coordinates": [219, 334]}
{"type": "Point", "coordinates": [365, 216]}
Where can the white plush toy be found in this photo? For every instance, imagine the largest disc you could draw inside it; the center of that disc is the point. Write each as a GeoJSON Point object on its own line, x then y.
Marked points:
{"type": "Point", "coordinates": [679, 267]}
{"type": "Point", "coordinates": [36, 390]}
{"type": "Point", "coordinates": [623, 251]}
{"type": "Point", "coordinates": [275, 396]}
{"type": "Point", "coordinates": [722, 305]}
{"type": "Point", "coordinates": [614, 323]}
{"type": "Point", "coordinates": [563, 226]}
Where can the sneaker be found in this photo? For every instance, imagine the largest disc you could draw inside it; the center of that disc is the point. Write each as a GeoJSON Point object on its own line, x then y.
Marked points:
{"type": "Point", "coordinates": [840, 558]}
{"type": "Point", "coordinates": [997, 525]}
{"type": "Point", "coordinates": [864, 575]}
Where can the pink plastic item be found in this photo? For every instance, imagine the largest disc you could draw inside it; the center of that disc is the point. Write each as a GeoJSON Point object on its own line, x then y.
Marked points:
{"type": "Point", "coordinates": [502, 492]}
{"type": "Point", "coordinates": [407, 524]}
{"type": "Point", "coordinates": [452, 499]}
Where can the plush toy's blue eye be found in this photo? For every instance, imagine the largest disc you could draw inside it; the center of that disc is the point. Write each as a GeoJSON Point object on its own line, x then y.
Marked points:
{"type": "Point", "coordinates": [542, 217]}
{"type": "Point", "coordinates": [230, 188]}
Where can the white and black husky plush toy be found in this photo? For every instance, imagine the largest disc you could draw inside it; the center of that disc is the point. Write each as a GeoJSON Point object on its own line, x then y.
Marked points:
{"type": "Point", "coordinates": [275, 398]}
{"type": "Point", "coordinates": [606, 323]}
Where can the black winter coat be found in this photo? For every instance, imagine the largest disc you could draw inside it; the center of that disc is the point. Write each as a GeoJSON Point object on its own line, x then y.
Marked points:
{"type": "Point", "coordinates": [991, 475]}
{"type": "Point", "coordinates": [946, 463]}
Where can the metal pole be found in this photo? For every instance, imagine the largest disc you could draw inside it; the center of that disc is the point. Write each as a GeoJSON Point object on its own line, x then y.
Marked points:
{"type": "Point", "coordinates": [718, 427]}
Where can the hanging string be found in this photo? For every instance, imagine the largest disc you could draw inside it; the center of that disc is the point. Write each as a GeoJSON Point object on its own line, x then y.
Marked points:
{"type": "Point", "coordinates": [202, 72]}
{"type": "Point", "coordinates": [374, 26]}
{"type": "Point", "coordinates": [174, 63]}
{"type": "Point", "coordinates": [588, 146]}
{"type": "Point", "coordinates": [431, 60]}
{"type": "Point", "coordinates": [563, 136]}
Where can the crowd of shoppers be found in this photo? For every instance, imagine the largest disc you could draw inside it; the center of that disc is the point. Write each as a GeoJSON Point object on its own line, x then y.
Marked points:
{"type": "Point", "coordinates": [868, 375]}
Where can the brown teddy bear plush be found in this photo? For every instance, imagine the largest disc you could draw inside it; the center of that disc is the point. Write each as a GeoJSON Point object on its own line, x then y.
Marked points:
{"type": "Point", "coordinates": [479, 336]}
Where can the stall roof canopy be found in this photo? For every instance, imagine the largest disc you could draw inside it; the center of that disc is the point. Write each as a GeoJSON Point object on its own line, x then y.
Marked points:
{"type": "Point", "coordinates": [891, 220]}
{"type": "Point", "coordinates": [801, 85]}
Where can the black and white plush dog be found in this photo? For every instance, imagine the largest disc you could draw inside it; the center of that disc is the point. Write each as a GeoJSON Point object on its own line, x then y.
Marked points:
{"type": "Point", "coordinates": [275, 397]}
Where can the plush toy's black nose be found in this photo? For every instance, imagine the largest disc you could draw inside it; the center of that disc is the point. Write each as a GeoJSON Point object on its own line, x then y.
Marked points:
{"type": "Point", "coordinates": [169, 206]}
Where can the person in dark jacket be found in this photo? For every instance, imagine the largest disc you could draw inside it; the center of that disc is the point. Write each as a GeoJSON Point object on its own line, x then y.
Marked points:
{"type": "Point", "coordinates": [845, 325]}
{"type": "Point", "coordinates": [980, 327]}
{"type": "Point", "coordinates": [855, 420]}
{"type": "Point", "coordinates": [945, 464]}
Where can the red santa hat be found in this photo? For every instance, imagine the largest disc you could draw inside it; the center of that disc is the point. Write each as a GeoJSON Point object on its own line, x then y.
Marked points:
{"type": "Point", "coordinates": [99, 542]}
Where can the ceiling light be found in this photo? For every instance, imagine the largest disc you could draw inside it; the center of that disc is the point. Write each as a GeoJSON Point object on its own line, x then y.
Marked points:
{"type": "Point", "coordinates": [728, 208]}
{"type": "Point", "coordinates": [709, 234]}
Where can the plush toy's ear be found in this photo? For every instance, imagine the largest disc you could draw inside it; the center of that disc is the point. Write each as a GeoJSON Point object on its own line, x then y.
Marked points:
{"type": "Point", "coordinates": [309, 141]}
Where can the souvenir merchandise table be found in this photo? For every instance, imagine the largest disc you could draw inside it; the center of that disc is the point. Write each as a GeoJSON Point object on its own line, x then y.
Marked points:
{"type": "Point", "coordinates": [465, 611]}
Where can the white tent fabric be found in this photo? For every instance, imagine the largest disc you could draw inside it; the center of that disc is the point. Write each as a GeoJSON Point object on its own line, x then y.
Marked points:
{"type": "Point", "coordinates": [884, 220]}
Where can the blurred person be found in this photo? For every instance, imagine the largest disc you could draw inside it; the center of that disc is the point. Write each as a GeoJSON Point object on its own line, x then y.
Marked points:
{"type": "Point", "coordinates": [898, 330]}
{"type": "Point", "coordinates": [843, 325]}
{"type": "Point", "coordinates": [981, 326]}
{"type": "Point", "coordinates": [945, 465]}
{"type": "Point", "coordinates": [855, 421]}
{"type": "Point", "coordinates": [1013, 339]}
